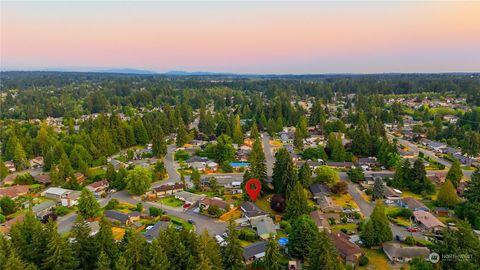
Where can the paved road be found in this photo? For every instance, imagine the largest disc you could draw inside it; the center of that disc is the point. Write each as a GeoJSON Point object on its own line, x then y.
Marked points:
{"type": "Point", "coordinates": [213, 226]}
{"type": "Point", "coordinates": [416, 149]}
{"type": "Point", "coordinates": [367, 208]}
{"type": "Point", "coordinates": [269, 157]}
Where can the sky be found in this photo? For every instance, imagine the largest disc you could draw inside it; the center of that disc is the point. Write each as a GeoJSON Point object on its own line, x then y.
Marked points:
{"type": "Point", "coordinates": [242, 37]}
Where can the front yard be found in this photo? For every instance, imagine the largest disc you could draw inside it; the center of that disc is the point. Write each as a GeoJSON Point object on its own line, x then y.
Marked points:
{"type": "Point", "coordinates": [344, 200]}
{"type": "Point", "coordinates": [171, 201]}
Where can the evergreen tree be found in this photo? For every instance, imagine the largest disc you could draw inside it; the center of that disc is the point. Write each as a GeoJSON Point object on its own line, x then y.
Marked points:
{"type": "Point", "coordinates": [3, 169]}
{"type": "Point", "coordinates": [141, 135]}
{"type": "Point", "coordinates": [195, 177]}
{"type": "Point", "coordinates": [232, 252]}
{"type": "Point", "coordinates": [402, 174]}
{"type": "Point", "coordinates": [110, 174]}
{"type": "Point", "coordinates": [135, 252]}
{"type": "Point", "coordinates": [159, 259]}
{"type": "Point", "coordinates": [455, 173]}
{"type": "Point", "coordinates": [258, 167]}
{"type": "Point", "coordinates": [88, 205]}
{"type": "Point", "coordinates": [182, 135]}
{"type": "Point", "coordinates": [209, 253]}
{"type": "Point", "coordinates": [105, 240]}
{"type": "Point", "coordinates": [323, 254]}
{"type": "Point", "coordinates": [121, 264]}
{"type": "Point", "coordinates": [377, 229]}
{"type": "Point", "coordinates": [59, 254]}
{"type": "Point", "coordinates": [237, 131]}
{"type": "Point", "coordinates": [273, 256]}
{"type": "Point", "coordinates": [254, 131]}
{"type": "Point", "coordinates": [29, 240]}
{"type": "Point", "coordinates": [284, 175]}
{"type": "Point", "coordinates": [84, 250]}
{"type": "Point", "coordinates": [447, 196]}
{"type": "Point", "coordinates": [302, 127]}
{"type": "Point", "coordinates": [378, 189]}
{"type": "Point", "coordinates": [472, 192]}
{"type": "Point", "coordinates": [103, 262]}
{"type": "Point", "coordinates": [14, 262]}
{"type": "Point", "coordinates": [419, 182]}
{"type": "Point", "coordinates": [159, 146]}
{"type": "Point", "coordinates": [298, 139]}
{"type": "Point", "coordinates": [305, 175]}
{"type": "Point", "coordinates": [138, 180]}
{"type": "Point", "coordinates": [19, 157]}
{"type": "Point", "coordinates": [300, 239]}
{"type": "Point", "coordinates": [297, 203]}
{"type": "Point", "coordinates": [224, 150]}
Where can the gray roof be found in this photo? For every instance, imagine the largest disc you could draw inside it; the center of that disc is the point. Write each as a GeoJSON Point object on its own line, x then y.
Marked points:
{"type": "Point", "coordinates": [266, 226]}
{"type": "Point", "coordinates": [153, 232]}
{"type": "Point", "coordinates": [116, 215]}
{"type": "Point", "coordinates": [254, 249]}
{"type": "Point", "coordinates": [251, 210]}
{"type": "Point", "coordinates": [395, 250]}
{"type": "Point", "coordinates": [318, 189]}
{"type": "Point", "coordinates": [196, 159]}
{"type": "Point", "coordinates": [43, 206]}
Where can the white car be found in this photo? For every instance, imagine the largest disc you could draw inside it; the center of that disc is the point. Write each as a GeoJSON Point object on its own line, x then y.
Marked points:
{"type": "Point", "coordinates": [219, 239]}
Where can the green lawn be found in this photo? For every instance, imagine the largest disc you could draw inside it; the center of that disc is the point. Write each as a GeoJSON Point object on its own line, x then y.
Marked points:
{"type": "Point", "coordinates": [181, 222]}
{"type": "Point", "coordinates": [376, 259]}
{"type": "Point", "coordinates": [171, 201]}
{"type": "Point", "coordinates": [264, 204]}
{"type": "Point", "coordinates": [347, 226]}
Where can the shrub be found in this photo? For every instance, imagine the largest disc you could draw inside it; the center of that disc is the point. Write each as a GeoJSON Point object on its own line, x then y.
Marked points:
{"type": "Point", "coordinates": [368, 192]}
{"type": "Point", "coordinates": [139, 207]}
{"type": "Point", "coordinates": [155, 211]}
{"type": "Point", "coordinates": [285, 225]}
{"type": "Point", "coordinates": [340, 188]}
{"type": "Point", "coordinates": [2, 218]}
{"type": "Point", "coordinates": [61, 210]}
{"type": "Point", "coordinates": [409, 240]}
{"type": "Point", "coordinates": [363, 260]}
{"type": "Point", "coordinates": [214, 210]}
{"type": "Point", "coordinates": [247, 235]}
{"type": "Point", "coordinates": [181, 155]}
{"type": "Point", "coordinates": [112, 204]}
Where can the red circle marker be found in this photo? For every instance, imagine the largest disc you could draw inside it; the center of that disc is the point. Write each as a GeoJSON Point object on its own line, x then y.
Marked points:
{"type": "Point", "coordinates": [253, 187]}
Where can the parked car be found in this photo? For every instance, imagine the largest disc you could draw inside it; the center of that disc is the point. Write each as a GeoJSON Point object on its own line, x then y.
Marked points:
{"type": "Point", "coordinates": [412, 229]}
{"type": "Point", "coordinates": [219, 239]}
{"type": "Point", "coordinates": [191, 221]}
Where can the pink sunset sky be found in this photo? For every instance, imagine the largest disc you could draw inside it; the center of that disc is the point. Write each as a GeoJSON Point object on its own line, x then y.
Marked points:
{"type": "Point", "coordinates": [242, 37]}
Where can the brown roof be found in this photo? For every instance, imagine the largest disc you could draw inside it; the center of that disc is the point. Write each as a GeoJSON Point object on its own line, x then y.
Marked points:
{"type": "Point", "coordinates": [395, 250]}
{"type": "Point", "coordinates": [5, 227]}
{"type": "Point", "coordinates": [320, 220]}
{"type": "Point", "coordinates": [42, 178]}
{"type": "Point", "coordinates": [80, 177]}
{"type": "Point", "coordinates": [427, 219]}
{"type": "Point", "coordinates": [348, 250]}
{"type": "Point", "coordinates": [168, 187]}
{"type": "Point", "coordinates": [220, 203]}
{"type": "Point", "coordinates": [99, 184]}
{"type": "Point", "coordinates": [14, 191]}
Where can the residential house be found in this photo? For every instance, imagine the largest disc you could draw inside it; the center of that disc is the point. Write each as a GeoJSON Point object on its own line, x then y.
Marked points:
{"type": "Point", "coordinates": [327, 205]}
{"type": "Point", "coordinates": [312, 164]}
{"type": "Point", "coordinates": [451, 151]}
{"type": "Point", "coordinates": [349, 251]}
{"type": "Point", "coordinates": [188, 197]}
{"type": "Point", "coordinates": [55, 193]}
{"type": "Point", "coordinates": [442, 211]}
{"type": "Point", "coordinates": [345, 165]}
{"type": "Point", "coordinates": [254, 252]}
{"type": "Point", "coordinates": [80, 177]}
{"type": "Point", "coordinates": [319, 190]}
{"type": "Point", "coordinates": [123, 218]}
{"type": "Point", "coordinates": [427, 221]}
{"type": "Point", "coordinates": [10, 166]}
{"type": "Point", "coordinates": [251, 211]}
{"type": "Point", "coordinates": [391, 193]}
{"type": "Point", "coordinates": [286, 137]}
{"type": "Point", "coordinates": [368, 161]}
{"type": "Point", "coordinates": [70, 199]}
{"type": "Point", "coordinates": [43, 209]}
{"type": "Point", "coordinates": [14, 191]}
{"type": "Point", "coordinates": [207, 202]}
{"type": "Point", "coordinates": [406, 153]}
{"type": "Point", "coordinates": [117, 164]}
{"type": "Point", "coordinates": [6, 226]}
{"type": "Point", "coordinates": [437, 177]}
{"type": "Point", "coordinates": [201, 163]}
{"type": "Point", "coordinates": [265, 227]}
{"type": "Point", "coordinates": [433, 145]}
{"type": "Point", "coordinates": [463, 159]}
{"type": "Point", "coordinates": [167, 189]}
{"type": "Point", "coordinates": [43, 178]}
{"type": "Point", "coordinates": [397, 253]}
{"type": "Point", "coordinates": [98, 188]}
{"type": "Point", "coordinates": [321, 222]}
{"type": "Point", "coordinates": [155, 230]}
{"type": "Point", "coordinates": [36, 162]}
{"type": "Point", "coordinates": [412, 204]}
{"type": "Point", "coordinates": [232, 184]}
{"type": "Point", "coordinates": [9, 179]}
